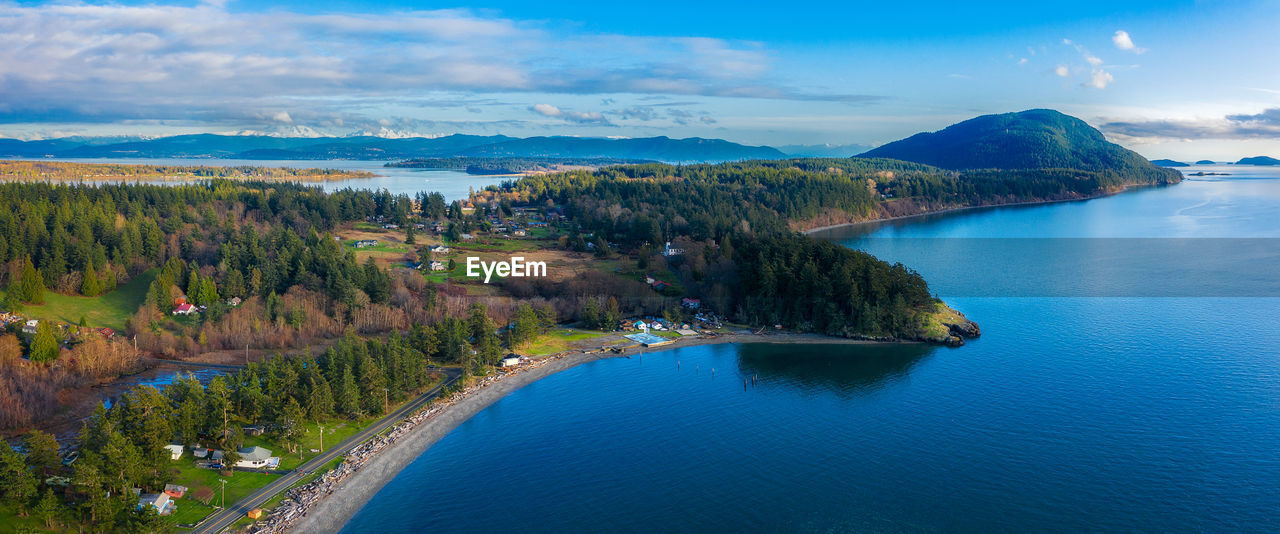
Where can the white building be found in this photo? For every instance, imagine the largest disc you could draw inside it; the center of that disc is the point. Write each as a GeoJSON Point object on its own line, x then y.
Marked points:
{"type": "Point", "coordinates": [668, 251]}
{"type": "Point", "coordinates": [254, 457]}
{"type": "Point", "coordinates": [175, 451]}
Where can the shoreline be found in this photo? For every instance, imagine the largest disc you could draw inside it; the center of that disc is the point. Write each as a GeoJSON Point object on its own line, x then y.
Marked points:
{"type": "Point", "coordinates": [965, 208]}
{"type": "Point", "coordinates": [326, 505]}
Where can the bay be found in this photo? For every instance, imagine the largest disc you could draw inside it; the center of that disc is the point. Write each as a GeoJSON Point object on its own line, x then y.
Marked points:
{"type": "Point", "coordinates": [1070, 413]}
{"type": "Point", "coordinates": [454, 185]}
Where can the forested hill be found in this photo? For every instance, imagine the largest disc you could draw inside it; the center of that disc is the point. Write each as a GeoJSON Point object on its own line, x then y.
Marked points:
{"type": "Point", "coordinates": [1032, 139]}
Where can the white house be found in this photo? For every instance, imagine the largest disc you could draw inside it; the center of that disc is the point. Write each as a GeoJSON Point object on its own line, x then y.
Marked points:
{"type": "Point", "coordinates": [31, 326]}
{"type": "Point", "coordinates": [511, 360]}
{"type": "Point", "coordinates": [439, 249]}
{"type": "Point", "coordinates": [175, 451]}
{"type": "Point", "coordinates": [437, 265]}
{"type": "Point", "coordinates": [668, 251]}
{"type": "Point", "coordinates": [254, 457]}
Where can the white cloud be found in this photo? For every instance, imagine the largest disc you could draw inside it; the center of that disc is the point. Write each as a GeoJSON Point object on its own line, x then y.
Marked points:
{"type": "Point", "coordinates": [1123, 41]}
{"type": "Point", "coordinates": [547, 110]}
{"type": "Point", "coordinates": [202, 63]}
{"type": "Point", "coordinates": [1099, 79]}
{"type": "Point", "coordinates": [579, 117]}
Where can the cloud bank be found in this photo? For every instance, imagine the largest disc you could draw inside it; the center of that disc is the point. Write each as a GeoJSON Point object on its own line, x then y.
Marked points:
{"type": "Point", "coordinates": [207, 64]}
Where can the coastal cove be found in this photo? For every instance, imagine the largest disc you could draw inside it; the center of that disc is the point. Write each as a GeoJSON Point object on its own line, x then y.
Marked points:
{"type": "Point", "coordinates": [1053, 417]}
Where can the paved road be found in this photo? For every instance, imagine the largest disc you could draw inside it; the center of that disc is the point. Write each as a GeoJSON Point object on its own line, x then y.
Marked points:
{"type": "Point", "coordinates": [226, 517]}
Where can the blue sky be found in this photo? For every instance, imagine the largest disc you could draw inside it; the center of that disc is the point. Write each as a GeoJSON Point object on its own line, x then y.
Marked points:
{"type": "Point", "coordinates": [1184, 79]}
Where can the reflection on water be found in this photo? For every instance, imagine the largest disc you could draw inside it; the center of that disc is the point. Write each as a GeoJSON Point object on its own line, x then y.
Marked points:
{"type": "Point", "coordinates": [846, 370]}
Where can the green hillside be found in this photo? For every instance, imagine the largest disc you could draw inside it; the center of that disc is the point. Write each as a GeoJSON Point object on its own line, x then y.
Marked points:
{"type": "Point", "coordinates": [1033, 139]}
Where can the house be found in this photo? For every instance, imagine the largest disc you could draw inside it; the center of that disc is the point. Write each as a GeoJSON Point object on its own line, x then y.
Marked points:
{"type": "Point", "coordinates": [467, 237]}
{"type": "Point", "coordinates": [184, 309]}
{"type": "Point", "coordinates": [419, 226]}
{"type": "Point", "coordinates": [175, 491]}
{"type": "Point", "coordinates": [437, 227]}
{"type": "Point", "coordinates": [437, 265]}
{"type": "Point", "coordinates": [639, 325]}
{"type": "Point", "coordinates": [180, 299]}
{"type": "Point", "coordinates": [254, 430]}
{"type": "Point", "coordinates": [692, 304]}
{"type": "Point", "coordinates": [657, 326]}
{"type": "Point", "coordinates": [175, 451]}
{"type": "Point", "coordinates": [254, 457]}
{"type": "Point", "coordinates": [106, 333]}
{"type": "Point", "coordinates": [668, 251]}
{"type": "Point", "coordinates": [201, 452]}
{"type": "Point", "coordinates": [234, 301]}
{"type": "Point", "coordinates": [511, 360]}
{"type": "Point", "coordinates": [519, 233]}
{"type": "Point", "coordinates": [366, 243]}
{"type": "Point", "coordinates": [439, 249]}
{"type": "Point", "coordinates": [159, 501]}
{"type": "Point", "coordinates": [389, 226]}
{"type": "Point", "coordinates": [31, 326]}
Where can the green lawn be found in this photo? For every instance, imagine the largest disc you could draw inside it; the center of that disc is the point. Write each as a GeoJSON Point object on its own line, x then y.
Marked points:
{"type": "Point", "coordinates": [110, 310]}
{"type": "Point", "coordinates": [382, 246]}
{"type": "Point", "coordinates": [558, 340]}
{"type": "Point", "coordinates": [239, 486]}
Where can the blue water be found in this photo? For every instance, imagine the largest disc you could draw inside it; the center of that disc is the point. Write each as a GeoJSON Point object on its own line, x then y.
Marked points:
{"type": "Point", "coordinates": [1070, 414]}
{"type": "Point", "coordinates": [453, 185]}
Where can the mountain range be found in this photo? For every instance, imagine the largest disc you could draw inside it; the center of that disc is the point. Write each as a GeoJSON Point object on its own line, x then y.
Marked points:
{"type": "Point", "coordinates": [380, 148]}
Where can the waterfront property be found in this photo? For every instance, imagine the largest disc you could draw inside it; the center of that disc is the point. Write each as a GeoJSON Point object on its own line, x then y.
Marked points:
{"type": "Point", "coordinates": [649, 340]}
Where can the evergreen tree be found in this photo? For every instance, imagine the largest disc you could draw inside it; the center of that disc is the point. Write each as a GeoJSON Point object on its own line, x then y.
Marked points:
{"type": "Point", "coordinates": [348, 395]}
{"type": "Point", "coordinates": [45, 346]}
{"type": "Point", "coordinates": [89, 286]}
{"type": "Point", "coordinates": [31, 284]}
{"type": "Point", "coordinates": [49, 509]}
{"type": "Point", "coordinates": [17, 484]}
{"type": "Point", "coordinates": [42, 451]}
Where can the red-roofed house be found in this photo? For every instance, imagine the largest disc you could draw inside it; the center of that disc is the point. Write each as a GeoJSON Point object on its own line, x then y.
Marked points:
{"type": "Point", "coordinates": [184, 309]}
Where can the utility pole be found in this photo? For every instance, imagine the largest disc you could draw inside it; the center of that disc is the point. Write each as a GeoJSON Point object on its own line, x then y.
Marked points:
{"type": "Point", "coordinates": [386, 407]}
{"type": "Point", "coordinates": [224, 492]}
{"type": "Point", "coordinates": [246, 353]}
{"type": "Point", "coordinates": [321, 437]}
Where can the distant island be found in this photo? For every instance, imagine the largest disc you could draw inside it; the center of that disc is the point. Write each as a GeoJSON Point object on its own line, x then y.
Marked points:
{"type": "Point", "coordinates": [1205, 162]}
{"type": "Point", "coordinates": [1034, 139]}
{"type": "Point", "coordinates": [1169, 163]}
{"type": "Point", "coordinates": [260, 147]}
{"type": "Point", "coordinates": [1259, 160]}
{"type": "Point", "coordinates": [504, 166]}
{"type": "Point", "coordinates": [60, 171]}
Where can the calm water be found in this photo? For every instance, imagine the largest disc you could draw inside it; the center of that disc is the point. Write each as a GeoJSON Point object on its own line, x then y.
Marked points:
{"type": "Point", "coordinates": [1070, 414]}
{"type": "Point", "coordinates": [452, 184]}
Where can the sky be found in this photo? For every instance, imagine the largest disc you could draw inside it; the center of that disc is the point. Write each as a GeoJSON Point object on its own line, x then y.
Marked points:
{"type": "Point", "coordinates": [1179, 79]}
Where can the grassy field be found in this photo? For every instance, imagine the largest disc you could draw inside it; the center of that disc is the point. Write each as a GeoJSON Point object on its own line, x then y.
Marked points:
{"type": "Point", "coordinates": [110, 310]}
{"type": "Point", "coordinates": [558, 340]}
{"type": "Point", "coordinates": [239, 486]}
